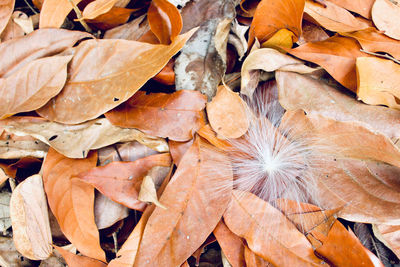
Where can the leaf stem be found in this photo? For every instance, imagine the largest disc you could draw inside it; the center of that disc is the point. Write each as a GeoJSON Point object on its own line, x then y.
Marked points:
{"type": "Point", "coordinates": [79, 16]}
{"type": "Point", "coordinates": [381, 55]}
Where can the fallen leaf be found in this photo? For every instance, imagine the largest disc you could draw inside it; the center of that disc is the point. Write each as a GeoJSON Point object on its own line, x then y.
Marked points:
{"type": "Point", "coordinates": [208, 133]}
{"type": "Point", "coordinates": [389, 235]}
{"type": "Point", "coordinates": [9, 256]}
{"type": "Point", "coordinates": [333, 17]}
{"type": "Point", "coordinates": [23, 21]}
{"type": "Point", "coordinates": [338, 242]}
{"type": "Point", "coordinates": [54, 12]}
{"type": "Point", "coordinates": [237, 38]}
{"type": "Point", "coordinates": [228, 114]}
{"type": "Point", "coordinates": [113, 18]}
{"type": "Point", "coordinates": [92, 135]}
{"type": "Point", "coordinates": [72, 201]}
{"type": "Point", "coordinates": [97, 8]}
{"type": "Point", "coordinates": [5, 220]}
{"type": "Point", "coordinates": [194, 207]}
{"type": "Point", "coordinates": [373, 41]}
{"type": "Point", "coordinates": [108, 212]}
{"type": "Point", "coordinates": [232, 246]}
{"type": "Point", "coordinates": [132, 30]}
{"type": "Point", "coordinates": [252, 260]}
{"type": "Point", "coordinates": [257, 221]}
{"type": "Point", "coordinates": [176, 116]}
{"type": "Point", "coordinates": [316, 97]}
{"type": "Point", "coordinates": [74, 260]}
{"type": "Point", "coordinates": [151, 182]}
{"type": "Point", "coordinates": [11, 31]}
{"type": "Point", "coordinates": [362, 7]}
{"type": "Point", "coordinates": [202, 249]}
{"type": "Point", "coordinates": [126, 66]}
{"type": "Point", "coordinates": [337, 55]}
{"type": "Point", "coordinates": [127, 151]}
{"type": "Point", "coordinates": [378, 81]}
{"type": "Point", "coordinates": [120, 181]}
{"type": "Point", "coordinates": [311, 33]}
{"type": "Point", "coordinates": [167, 74]}
{"type": "Point", "coordinates": [281, 38]}
{"type": "Point", "coordinates": [30, 219]}
{"type": "Point", "coordinates": [6, 7]}
{"type": "Point", "coordinates": [33, 86]}
{"type": "Point", "coordinates": [384, 16]}
{"type": "Point", "coordinates": [178, 149]}
{"type": "Point", "coordinates": [271, 16]}
{"type": "Point", "coordinates": [165, 20]}
{"type": "Point", "coordinates": [16, 149]}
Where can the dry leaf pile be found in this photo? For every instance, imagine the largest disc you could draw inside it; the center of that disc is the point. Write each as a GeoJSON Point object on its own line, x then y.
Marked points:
{"type": "Point", "coordinates": [199, 133]}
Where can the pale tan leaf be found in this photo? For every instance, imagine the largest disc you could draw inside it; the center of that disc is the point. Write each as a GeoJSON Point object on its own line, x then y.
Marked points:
{"type": "Point", "coordinates": [6, 10]}
{"type": "Point", "coordinates": [385, 16]}
{"type": "Point", "coordinates": [150, 184]}
{"type": "Point", "coordinates": [108, 212]}
{"type": "Point", "coordinates": [5, 220]}
{"type": "Point", "coordinates": [54, 12]}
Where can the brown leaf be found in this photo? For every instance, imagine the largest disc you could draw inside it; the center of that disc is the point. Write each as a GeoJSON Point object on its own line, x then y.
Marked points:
{"type": "Point", "coordinates": [97, 8]}
{"type": "Point", "coordinates": [54, 12]}
{"type": "Point", "coordinates": [74, 260]}
{"type": "Point", "coordinates": [378, 81]}
{"type": "Point", "coordinates": [385, 15]}
{"type": "Point", "coordinates": [151, 182]}
{"type": "Point", "coordinates": [336, 249]}
{"type": "Point", "coordinates": [257, 221]}
{"type": "Point", "coordinates": [311, 33]}
{"type": "Point", "coordinates": [232, 245]}
{"type": "Point", "coordinates": [362, 7]}
{"type": "Point", "coordinates": [121, 181]}
{"type": "Point", "coordinates": [12, 147]}
{"type": "Point", "coordinates": [11, 31]}
{"type": "Point", "coordinates": [208, 133]}
{"type": "Point", "coordinates": [108, 212]}
{"type": "Point", "coordinates": [389, 235]}
{"type": "Point", "coordinates": [333, 17]}
{"type": "Point", "coordinates": [132, 30]}
{"type": "Point", "coordinates": [165, 20]}
{"type": "Point", "coordinates": [176, 116]}
{"type": "Point", "coordinates": [6, 7]}
{"type": "Point", "coordinates": [30, 219]}
{"type": "Point", "coordinates": [252, 260]}
{"type": "Point", "coordinates": [33, 86]}
{"type": "Point", "coordinates": [271, 16]}
{"type": "Point", "coordinates": [92, 135]}
{"type": "Point", "coordinates": [194, 207]}
{"type": "Point", "coordinates": [72, 201]}
{"type": "Point", "coordinates": [113, 18]}
{"type": "Point", "coordinates": [227, 113]}
{"type": "Point", "coordinates": [374, 41]}
{"type": "Point", "coordinates": [316, 97]}
{"type": "Point", "coordinates": [337, 55]}
{"type": "Point", "coordinates": [178, 149]}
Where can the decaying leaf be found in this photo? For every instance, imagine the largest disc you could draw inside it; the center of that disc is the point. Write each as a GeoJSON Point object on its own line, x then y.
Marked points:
{"type": "Point", "coordinates": [72, 201]}
{"type": "Point", "coordinates": [75, 141]}
{"type": "Point", "coordinates": [30, 219]}
{"type": "Point", "coordinates": [126, 66]}
{"type": "Point", "coordinates": [384, 16]}
{"type": "Point", "coordinates": [176, 116]}
{"type": "Point", "coordinates": [74, 260]}
{"type": "Point", "coordinates": [6, 10]}
{"type": "Point", "coordinates": [54, 12]}
{"type": "Point", "coordinates": [108, 212]}
{"type": "Point", "coordinates": [16, 149]}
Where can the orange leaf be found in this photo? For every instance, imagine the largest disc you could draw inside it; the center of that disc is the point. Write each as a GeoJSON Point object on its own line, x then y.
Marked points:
{"type": "Point", "coordinates": [362, 7]}
{"type": "Point", "coordinates": [385, 15]}
{"type": "Point", "coordinates": [268, 232]}
{"type": "Point", "coordinates": [72, 201]}
{"type": "Point", "coordinates": [121, 181]}
{"type": "Point", "coordinates": [176, 116]}
{"type": "Point", "coordinates": [207, 133]}
{"type": "Point", "coordinates": [342, 248]}
{"type": "Point", "coordinates": [178, 149]}
{"type": "Point", "coordinates": [273, 15]}
{"type": "Point", "coordinates": [165, 20]}
{"type": "Point", "coordinates": [227, 113]}
{"type": "Point", "coordinates": [167, 74]}
{"type": "Point", "coordinates": [74, 260]}
{"type": "Point", "coordinates": [194, 207]}
{"type": "Point", "coordinates": [252, 260]}
{"type": "Point", "coordinates": [6, 10]}
{"type": "Point", "coordinates": [97, 8]}
{"type": "Point", "coordinates": [113, 18]}
{"type": "Point", "coordinates": [125, 67]}
{"type": "Point", "coordinates": [337, 55]}
{"type": "Point", "coordinates": [54, 12]}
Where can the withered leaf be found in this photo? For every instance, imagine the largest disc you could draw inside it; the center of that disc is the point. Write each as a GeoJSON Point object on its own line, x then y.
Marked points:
{"type": "Point", "coordinates": [74, 260]}
{"type": "Point", "coordinates": [108, 212]}
{"type": "Point", "coordinates": [6, 10]}
{"type": "Point", "coordinates": [132, 30]}
{"type": "Point", "coordinates": [384, 16]}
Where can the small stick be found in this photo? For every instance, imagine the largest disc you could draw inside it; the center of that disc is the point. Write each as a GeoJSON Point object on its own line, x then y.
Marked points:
{"type": "Point", "coordinates": [79, 16]}
{"type": "Point", "coordinates": [380, 55]}
{"type": "Point", "coordinates": [31, 7]}
{"type": "Point", "coordinates": [114, 235]}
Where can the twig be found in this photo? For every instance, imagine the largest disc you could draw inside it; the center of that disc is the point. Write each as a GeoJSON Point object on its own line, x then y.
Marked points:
{"type": "Point", "coordinates": [381, 55]}
{"type": "Point", "coordinates": [115, 238]}
{"type": "Point", "coordinates": [79, 16]}
{"type": "Point", "coordinates": [31, 7]}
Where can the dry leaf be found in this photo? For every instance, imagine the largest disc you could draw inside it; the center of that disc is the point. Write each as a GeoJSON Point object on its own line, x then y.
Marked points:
{"type": "Point", "coordinates": [72, 201]}
{"type": "Point", "coordinates": [311, 33]}
{"type": "Point", "coordinates": [151, 182]}
{"type": "Point", "coordinates": [178, 149]}
{"type": "Point", "coordinates": [5, 220]}
{"type": "Point", "coordinates": [97, 8]}
{"type": "Point", "coordinates": [54, 12]}
{"type": "Point", "coordinates": [227, 113]}
{"type": "Point", "coordinates": [237, 38]}
{"type": "Point", "coordinates": [33, 86]}
{"type": "Point", "coordinates": [258, 222]}
{"type": "Point", "coordinates": [75, 141]}
{"type": "Point", "coordinates": [30, 219]}
{"type": "Point", "coordinates": [16, 149]}
{"type": "Point", "coordinates": [113, 18]}
{"type": "Point", "coordinates": [333, 17]}
{"type": "Point", "coordinates": [389, 235]}
{"type": "Point", "coordinates": [126, 66]}
{"type": "Point", "coordinates": [378, 81]}
{"type": "Point", "coordinates": [362, 7]}
{"type": "Point", "coordinates": [385, 16]}
{"type": "Point", "coordinates": [11, 31]}
{"type": "Point", "coordinates": [121, 181]}
{"type": "Point", "coordinates": [23, 21]}
{"type": "Point", "coordinates": [176, 116]}
{"type": "Point", "coordinates": [208, 133]}
{"type": "Point", "coordinates": [252, 260]}
{"type": "Point", "coordinates": [74, 260]}
{"type": "Point", "coordinates": [6, 10]}
{"type": "Point", "coordinates": [9, 256]}
{"type": "Point", "coordinates": [194, 207]}
{"type": "Point", "coordinates": [108, 212]}
{"type": "Point", "coordinates": [132, 30]}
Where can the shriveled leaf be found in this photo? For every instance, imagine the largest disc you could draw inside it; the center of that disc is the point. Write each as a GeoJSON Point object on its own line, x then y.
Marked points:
{"type": "Point", "coordinates": [165, 20]}
{"type": "Point", "coordinates": [33, 85]}
{"type": "Point", "coordinates": [126, 66]}
{"type": "Point", "coordinates": [378, 81]}
{"type": "Point", "coordinates": [227, 113]}
{"type": "Point", "coordinates": [336, 249]}
{"type": "Point", "coordinates": [385, 15]}
{"type": "Point", "coordinates": [23, 21]}
{"type": "Point", "coordinates": [151, 182]}
{"type": "Point", "coordinates": [77, 140]}
{"type": "Point", "coordinates": [108, 212]}
{"type": "Point", "coordinates": [176, 116]}
{"type": "Point", "coordinates": [121, 181]}
{"type": "Point", "coordinates": [333, 17]}
{"type": "Point", "coordinates": [389, 235]}
{"type": "Point", "coordinates": [373, 41]}
{"type": "Point", "coordinates": [257, 221]}
{"type": "Point", "coordinates": [54, 12]}
{"type": "Point", "coordinates": [271, 16]}
{"type": "Point", "coordinates": [337, 55]}
{"type": "Point", "coordinates": [6, 10]}
{"type": "Point", "coordinates": [30, 219]}
{"type": "Point", "coordinates": [74, 260]}
{"type": "Point", "coordinates": [97, 8]}
{"type": "Point", "coordinates": [316, 97]}
{"type": "Point", "coordinates": [72, 201]}
{"type": "Point", "coordinates": [362, 7]}
{"type": "Point", "coordinates": [194, 207]}
{"type": "Point", "coordinates": [237, 38]}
